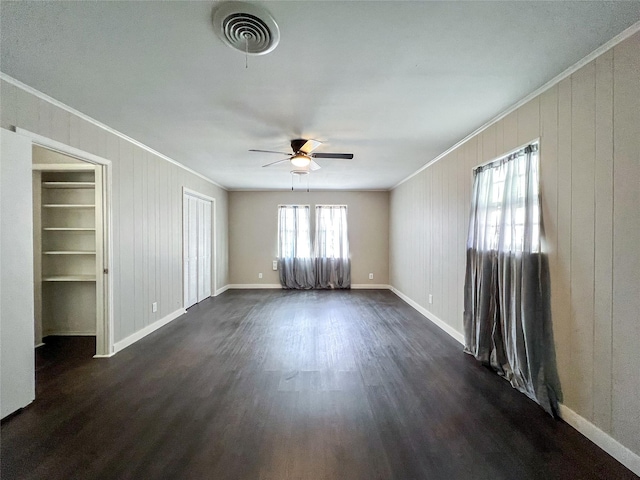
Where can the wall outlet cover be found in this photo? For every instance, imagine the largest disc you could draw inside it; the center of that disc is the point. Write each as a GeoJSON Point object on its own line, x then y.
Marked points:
{"type": "Point", "coordinates": [154, 307]}
{"type": "Point", "coordinates": [260, 275]}
{"type": "Point", "coordinates": [275, 265]}
{"type": "Point", "coordinates": [371, 276]}
{"type": "Point", "coordinates": [430, 298]}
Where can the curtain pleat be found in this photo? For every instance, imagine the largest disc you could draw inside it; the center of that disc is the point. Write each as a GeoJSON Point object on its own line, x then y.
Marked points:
{"type": "Point", "coordinates": [507, 315]}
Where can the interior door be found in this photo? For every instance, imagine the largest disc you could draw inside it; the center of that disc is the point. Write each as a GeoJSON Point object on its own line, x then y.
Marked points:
{"type": "Point", "coordinates": [207, 249]}
{"type": "Point", "coordinates": [201, 251]}
{"type": "Point", "coordinates": [197, 249]}
{"type": "Point", "coordinates": [204, 249]}
{"type": "Point", "coordinates": [190, 250]}
{"type": "Point", "coordinates": [17, 366]}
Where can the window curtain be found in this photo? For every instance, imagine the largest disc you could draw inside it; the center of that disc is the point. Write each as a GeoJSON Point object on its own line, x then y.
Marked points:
{"type": "Point", "coordinates": [295, 265]}
{"type": "Point", "coordinates": [333, 266]}
{"type": "Point", "coordinates": [507, 316]}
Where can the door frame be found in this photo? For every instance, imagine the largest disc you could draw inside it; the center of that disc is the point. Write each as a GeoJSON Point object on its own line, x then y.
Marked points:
{"type": "Point", "coordinates": [213, 264]}
{"type": "Point", "coordinates": [104, 282]}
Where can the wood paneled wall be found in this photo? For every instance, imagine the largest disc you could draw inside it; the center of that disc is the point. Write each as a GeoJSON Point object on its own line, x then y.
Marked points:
{"type": "Point", "coordinates": [589, 127]}
{"type": "Point", "coordinates": [147, 210]}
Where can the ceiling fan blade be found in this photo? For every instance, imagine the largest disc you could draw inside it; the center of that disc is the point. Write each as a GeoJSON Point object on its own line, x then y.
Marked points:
{"type": "Point", "coordinates": [314, 166]}
{"type": "Point", "coordinates": [270, 151]}
{"type": "Point", "coordinates": [276, 162]}
{"type": "Point", "coordinates": [345, 156]}
{"type": "Point", "coordinates": [309, 146]}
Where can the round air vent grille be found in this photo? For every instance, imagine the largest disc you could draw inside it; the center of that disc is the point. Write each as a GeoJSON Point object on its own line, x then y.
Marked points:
{"type": "Point", "coordinates": [246, 27]}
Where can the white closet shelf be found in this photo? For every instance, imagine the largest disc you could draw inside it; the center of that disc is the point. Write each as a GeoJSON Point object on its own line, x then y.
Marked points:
{"type": "Point", "coordinates": [63, 167]}
{"type": "Point", "coordinates": [69, 229]}
{"type": "Point", "coordinates": [69, 278]}
{"type": "Point", "coordinates": [66, 205]}
{"type": "Point", "coordinates": [69, 184]}
{"type": "Point", "coordinates": [68, 252]}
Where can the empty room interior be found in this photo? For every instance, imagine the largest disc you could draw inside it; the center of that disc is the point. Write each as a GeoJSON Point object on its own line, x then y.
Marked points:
{"type": "Point", "coordinates": [320, 240]}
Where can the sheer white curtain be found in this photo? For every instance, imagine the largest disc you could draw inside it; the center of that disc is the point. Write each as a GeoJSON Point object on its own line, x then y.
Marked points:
{"type": "Point", "coordinates": [333, 266]}
{"type": "Point", "coordinates": [507, 317]}
{"type": "Point", "coordinates": [295, 264]}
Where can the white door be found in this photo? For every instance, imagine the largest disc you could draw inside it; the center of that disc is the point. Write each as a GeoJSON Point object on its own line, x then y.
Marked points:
{"type": "Point", "coordinates": [197, 249]}
{"type": "Point", "coordinates": [190, 251]}
{"type": "Point", "coordinates": [206, 253]}
{"type": "Point", "coordinates": [17, 367]}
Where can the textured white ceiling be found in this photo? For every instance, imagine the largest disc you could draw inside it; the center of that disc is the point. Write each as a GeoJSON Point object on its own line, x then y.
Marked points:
{"type": "Point", "coordinates": [395, 83]}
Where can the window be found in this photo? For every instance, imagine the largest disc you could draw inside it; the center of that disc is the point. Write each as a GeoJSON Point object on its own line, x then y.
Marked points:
{"type": "Point", "coordinates": [507, 193]}
{"type": "Point", "coordinates": [328, 266]}
{"type": "Point", "coordinates": [294, 240]}
{"type": "Point", "coordinates": [331, 232]}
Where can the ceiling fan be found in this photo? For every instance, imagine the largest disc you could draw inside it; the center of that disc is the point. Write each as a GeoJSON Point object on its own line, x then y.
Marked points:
{"type": "Point", "coordinates": [303, 156]}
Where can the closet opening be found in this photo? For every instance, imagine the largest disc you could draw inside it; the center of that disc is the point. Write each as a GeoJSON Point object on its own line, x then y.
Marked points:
{"type": "Point", "coordinates": [69, 240]}
{"type": "Point", "coordinates": [198, 240]}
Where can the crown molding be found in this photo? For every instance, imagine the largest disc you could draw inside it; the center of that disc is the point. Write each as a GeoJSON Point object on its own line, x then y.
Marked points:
{"type": "Point", "coordinates": [622, 36]}
{"type": "Point", "coordinates": [43, 96]}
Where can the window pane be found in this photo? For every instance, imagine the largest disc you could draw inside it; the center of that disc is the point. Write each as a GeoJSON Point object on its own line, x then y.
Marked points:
{"type": "Point", "coordinates": [293, 232]}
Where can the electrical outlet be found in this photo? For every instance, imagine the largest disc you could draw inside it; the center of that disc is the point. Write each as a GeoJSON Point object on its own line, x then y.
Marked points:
{"type": "Point", "coordinates": [260, 275]}
{"type": "Point", "coordinates": [154, 307]}
{"type": "Point", "coordinates": [275, 265]}
{"type": "Point", "coordinates": [430, 298]}
{"type": "Point", "coordinates": [371, 276]}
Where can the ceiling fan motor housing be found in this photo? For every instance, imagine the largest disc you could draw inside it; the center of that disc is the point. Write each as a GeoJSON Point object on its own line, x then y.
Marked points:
{"type": "Point", "coordinates": [297, 144]}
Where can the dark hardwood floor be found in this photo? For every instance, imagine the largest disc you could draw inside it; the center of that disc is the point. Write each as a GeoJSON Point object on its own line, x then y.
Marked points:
{"type": "Point", "coordinates": [281, 385]}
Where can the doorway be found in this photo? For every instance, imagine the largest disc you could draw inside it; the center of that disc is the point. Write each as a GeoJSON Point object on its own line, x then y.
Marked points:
{"type": "Point", "coordinates": [198, 246]}
{"type": "Point", "coordinates": [71, 232]}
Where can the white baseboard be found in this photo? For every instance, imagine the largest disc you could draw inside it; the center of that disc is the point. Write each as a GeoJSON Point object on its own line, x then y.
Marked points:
{"type": "Point", "coordinates": [39, 345]}
{"type": "Point", "coordinates": [370, 286]}
{"type": "Point", "coordinates": [221, 290]}
{"type": "Point", "coordinates": [125, 342]}
{"type": "Point", "coordinates": [67, 333]}
{"type": "Point", "coordinates": [602, 439]}
{"type": "Point", "coordinates": [440, 323]}
{"type": "Point", "coordinates": [356, 286]}
{"type": "Point", "coordinates": [241, 286]}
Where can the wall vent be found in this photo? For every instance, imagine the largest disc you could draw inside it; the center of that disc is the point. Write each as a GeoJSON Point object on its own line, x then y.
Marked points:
{"type": "Point", "coordinates": [246, 27]}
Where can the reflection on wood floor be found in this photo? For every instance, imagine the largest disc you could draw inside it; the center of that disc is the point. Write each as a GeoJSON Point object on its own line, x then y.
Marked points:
{"type": "Point", "coordinates": [272, 384]}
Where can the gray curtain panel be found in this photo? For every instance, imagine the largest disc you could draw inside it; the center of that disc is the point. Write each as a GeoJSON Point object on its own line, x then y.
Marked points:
{"type": "Point", "coordinates": [507, 315]}
{"type": "Point", "coordinates": [295, 265]}
{"type": "Point", "coordinates": [333, 266]}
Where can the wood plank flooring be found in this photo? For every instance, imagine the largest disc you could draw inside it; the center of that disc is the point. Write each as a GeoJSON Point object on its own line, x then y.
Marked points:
{"type": "Point", "coordinates": [274, 384]}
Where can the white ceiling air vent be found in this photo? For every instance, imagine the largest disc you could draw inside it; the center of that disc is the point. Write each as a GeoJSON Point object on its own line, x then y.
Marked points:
{"type": "Point", "coordinates": [246, 27]}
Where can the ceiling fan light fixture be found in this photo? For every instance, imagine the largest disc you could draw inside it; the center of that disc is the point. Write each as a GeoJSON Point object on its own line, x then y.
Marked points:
{"type": "Point", "coordinates": [300, 161]}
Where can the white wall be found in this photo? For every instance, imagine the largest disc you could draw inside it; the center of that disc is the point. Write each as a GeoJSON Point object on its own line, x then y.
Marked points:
{"type": "Point", "coordinates": [253, 233]}
{"type": "Point", "coordinates": [17, 382]}
{"type": "Point", "coordinates": [147, 209]}
{"type": "Point", "coordinates": [589, 125]}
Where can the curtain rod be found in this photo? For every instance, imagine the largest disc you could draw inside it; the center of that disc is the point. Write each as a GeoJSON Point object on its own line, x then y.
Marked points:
{"type": "Point", "coordinates": [532, 146]}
